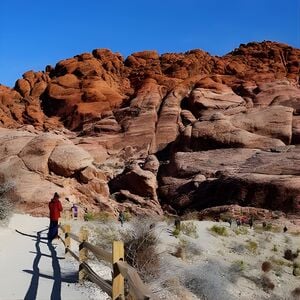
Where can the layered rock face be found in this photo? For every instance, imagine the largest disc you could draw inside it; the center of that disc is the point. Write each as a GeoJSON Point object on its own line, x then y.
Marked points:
{"type": "Point", "coordinates": [177, 131]}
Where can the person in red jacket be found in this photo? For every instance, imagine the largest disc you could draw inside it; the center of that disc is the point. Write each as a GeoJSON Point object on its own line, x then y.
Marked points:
{"type": "Point", "coordinates": [55, 208]}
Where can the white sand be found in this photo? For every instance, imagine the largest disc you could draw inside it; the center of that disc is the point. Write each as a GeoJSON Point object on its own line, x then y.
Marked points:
{"type": "Point", "coordinates": [209, 269]}
{"type": "Point", "coordinates": [33, 269]}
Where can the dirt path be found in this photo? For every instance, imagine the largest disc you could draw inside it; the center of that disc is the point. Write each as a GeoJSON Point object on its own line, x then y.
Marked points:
{"type": "Point", "coordinates": [33, 268]}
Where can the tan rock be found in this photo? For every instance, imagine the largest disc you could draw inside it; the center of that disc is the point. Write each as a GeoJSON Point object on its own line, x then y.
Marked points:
{"type": "Point", "coordinates": [274, 121]}
{"type": "Point", "coordinates": [36, 153]}
{"type": "Point", "coordinates": [66, 159]}
{"type": "Point", "coordinates": [222, 134]}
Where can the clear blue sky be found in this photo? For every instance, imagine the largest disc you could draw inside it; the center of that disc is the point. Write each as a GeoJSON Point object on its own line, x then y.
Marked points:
{"type": "Point", "coordinates": [34, 34]}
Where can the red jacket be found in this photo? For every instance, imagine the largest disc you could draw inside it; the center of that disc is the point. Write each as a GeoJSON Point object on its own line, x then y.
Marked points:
{"type": "Point", "coordinates": [55, 208]}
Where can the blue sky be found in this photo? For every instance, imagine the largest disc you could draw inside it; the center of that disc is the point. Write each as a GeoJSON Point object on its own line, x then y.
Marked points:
{"type": "Point", "coordinates": [36, 33]}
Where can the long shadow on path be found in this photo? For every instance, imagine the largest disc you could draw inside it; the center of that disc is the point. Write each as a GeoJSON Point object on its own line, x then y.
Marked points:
{"type": "Point", "coordinates": [31, 293]}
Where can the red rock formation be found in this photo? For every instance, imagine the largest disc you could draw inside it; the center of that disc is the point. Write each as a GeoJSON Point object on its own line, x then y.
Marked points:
{"type": "Point", "coordinates": [168, 105]}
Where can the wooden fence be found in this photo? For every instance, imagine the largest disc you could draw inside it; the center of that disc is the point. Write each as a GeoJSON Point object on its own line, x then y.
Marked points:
{"type": "Point", "coordinates": [120, 269]}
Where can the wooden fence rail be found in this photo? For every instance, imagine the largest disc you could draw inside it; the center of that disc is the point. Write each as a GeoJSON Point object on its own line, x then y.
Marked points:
{"type": "Point", "coordinates": [121, 270]}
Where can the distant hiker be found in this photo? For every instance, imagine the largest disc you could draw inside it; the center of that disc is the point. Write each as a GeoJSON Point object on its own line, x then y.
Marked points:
{"type": "Point", "coordinates": [121, 218]}
{"type": "Point", "coordinates": [74, 210]}
{"type": "Point", "coordinates": [251, 222]}
{"type": "Point", "coordinates": [264, 224]}
{"type": "Point", "coordinates": [55, 208]}
{"type": "Point", "coordinates": [229, 221]}
{"type": "Point", "coordinates": [285, 229]}
{"type": "Point", "coordinates": [238, 222]}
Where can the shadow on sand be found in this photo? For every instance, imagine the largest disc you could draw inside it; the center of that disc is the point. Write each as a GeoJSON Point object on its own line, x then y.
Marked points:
{"type": "Point", "coordinates": [57, 278]}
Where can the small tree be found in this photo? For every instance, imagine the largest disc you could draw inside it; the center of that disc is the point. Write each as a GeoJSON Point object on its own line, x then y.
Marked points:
{"type": "Point", "coordinates": [6, 205]}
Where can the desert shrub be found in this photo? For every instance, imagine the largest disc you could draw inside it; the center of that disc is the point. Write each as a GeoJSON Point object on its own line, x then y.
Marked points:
{"type": "Point", "coordinates": [104, 235]}
{"type": "Point", "coordinates": [267, 283]}
{"type": "Point", "coordinates": [89, 216]}
{"type": "Point", "coordinates": [6, 205]}
{"type": "Point", "coordinates": [240, 230]}
{"type": "Point", "coordinates": [127, 216]}
{"type": "Point", "coordinates": [189, 229]}
{"type": "Point", "coordinates": [252, 246]}
{"type": "Point", "coordinates": [296, 293]}
{"type": "Point", "coordinates": [187, 249]}
{"type": "Point", "coordinates": [180, 251]}
{"type": "Point", "coordinates": [289, 255]}
{"type": "Point", "coordinates": [296, 264]}
{"type": "Point", "coordinates": [238, 265]}
{"type": "Point", "coordinates": [140, 249]}
{"type": "Point", "coordinates": [176, 232]}
{"type": "Point", "coordinates": [266, 266]}
{"type": "Point", "coordinates": [296, 272]}
{"type": "Point", "coordinates": [103, 217]}
{"type": "Point", "coordinates": [267, 227]}
{"type": "Point", "coordinates": [219, 230]}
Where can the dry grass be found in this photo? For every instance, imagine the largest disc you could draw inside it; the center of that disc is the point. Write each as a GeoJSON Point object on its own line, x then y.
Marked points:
{"type": "Point", "coordinates": [190, 229]}
{"type": "Point", "coordinates": [251, 246]}
{"type": "Point", "coordinates": [140, 250]}
{"type": "Point", "coordinates": [219, 230]}
{"type": "Point", "coordinates": [241, 230]}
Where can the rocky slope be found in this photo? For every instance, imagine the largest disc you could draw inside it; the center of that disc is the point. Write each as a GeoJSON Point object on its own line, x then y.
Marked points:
{"type": "Point", "coordinates": [157, 132]}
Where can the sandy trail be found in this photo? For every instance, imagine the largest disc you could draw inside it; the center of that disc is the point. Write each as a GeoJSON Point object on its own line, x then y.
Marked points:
{"type": "Point", "coordinates": [32, 268]}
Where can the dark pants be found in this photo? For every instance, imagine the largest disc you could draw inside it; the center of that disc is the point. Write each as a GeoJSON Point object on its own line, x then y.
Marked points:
{"type": "Point", "coordinates": [53, 230]}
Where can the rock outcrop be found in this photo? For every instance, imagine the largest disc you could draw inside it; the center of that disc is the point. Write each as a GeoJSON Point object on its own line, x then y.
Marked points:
{"type": "Point", "coordinates": [183, 131]}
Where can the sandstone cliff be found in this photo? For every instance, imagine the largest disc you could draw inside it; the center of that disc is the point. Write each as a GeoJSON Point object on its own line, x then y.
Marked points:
{"type": "Point", "coordinates": [176, 131]}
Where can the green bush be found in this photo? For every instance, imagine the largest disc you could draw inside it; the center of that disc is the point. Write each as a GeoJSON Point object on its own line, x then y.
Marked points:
{"type": "Point", "coordinates": [219, 230]}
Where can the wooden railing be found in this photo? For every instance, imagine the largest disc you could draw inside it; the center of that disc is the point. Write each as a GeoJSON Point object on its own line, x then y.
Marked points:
{"type": "Point", "coordinates": [120, 269]}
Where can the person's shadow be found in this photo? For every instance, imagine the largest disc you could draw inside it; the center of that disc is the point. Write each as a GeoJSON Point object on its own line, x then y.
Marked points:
{"type": "Point", "coordinates": [31, 293]}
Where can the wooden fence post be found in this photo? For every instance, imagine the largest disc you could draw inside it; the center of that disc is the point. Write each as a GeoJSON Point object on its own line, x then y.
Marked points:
{"type": "Point", "coordinates": [67, 230]}
{"type": "Point", "coordinates": [83, 237]}
{"type": "Point", "coordinates": [118, 279]}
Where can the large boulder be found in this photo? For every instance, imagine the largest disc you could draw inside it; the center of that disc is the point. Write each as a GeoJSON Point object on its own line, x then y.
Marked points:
{"type": "Point", "coordinates": [220, 133]}
{"type": "Point", "coordinates": [252, 177]}
{"type": "Point", "coordinates": [67, 159]}
{"type": "Point", "coordinates": [36, 153]}
{"type": "Point", "coordinates": [137, 181]}
{"type": "Point", "coordinates": [273, 121]}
